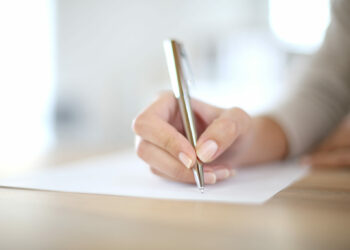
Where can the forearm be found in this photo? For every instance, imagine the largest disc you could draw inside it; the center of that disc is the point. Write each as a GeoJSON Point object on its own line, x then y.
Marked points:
{"type": "Point", "coordinates": [321, 96]}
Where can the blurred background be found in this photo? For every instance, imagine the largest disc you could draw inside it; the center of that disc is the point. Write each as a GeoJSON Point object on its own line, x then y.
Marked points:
{"type": "Point", "coordinates": [74, 73]}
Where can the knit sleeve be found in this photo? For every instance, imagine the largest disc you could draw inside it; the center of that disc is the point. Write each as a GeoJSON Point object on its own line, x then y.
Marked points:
{"type": "Point", "coordinates": [322, 97]}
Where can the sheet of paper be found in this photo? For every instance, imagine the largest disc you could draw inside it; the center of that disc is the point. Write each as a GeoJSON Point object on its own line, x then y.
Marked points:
{"type": "Point", "coordinates": [124, 174]}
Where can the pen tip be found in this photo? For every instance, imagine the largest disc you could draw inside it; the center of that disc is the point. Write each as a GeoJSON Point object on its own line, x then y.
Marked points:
{"type": "Point", "coordinates": [201, 189]}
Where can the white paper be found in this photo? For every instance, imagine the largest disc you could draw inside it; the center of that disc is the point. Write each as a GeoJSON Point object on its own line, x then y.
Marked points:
{"type": "Point", "coordinates": [124, 174]}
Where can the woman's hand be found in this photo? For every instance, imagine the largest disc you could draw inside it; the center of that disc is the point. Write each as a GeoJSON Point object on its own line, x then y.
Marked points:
{"type": "Point", "coordinates": [334, 151]}
{"type": "Point", "coordinates": [227, 137]}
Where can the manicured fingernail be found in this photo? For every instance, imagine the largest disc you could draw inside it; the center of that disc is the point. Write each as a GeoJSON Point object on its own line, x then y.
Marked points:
{"type": "Point", "coordinates": [209, 178]}
{"type": "Point", "coordinates": [185, 160]}
{"type": "Point", "coordinates": [222, 174]}
{"type": "Point", "coordinates": [207, 150]}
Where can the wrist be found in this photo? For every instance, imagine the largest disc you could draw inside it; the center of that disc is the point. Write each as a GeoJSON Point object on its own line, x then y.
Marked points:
{"type": "Point", "coordinates": [271, 137]}
{"type": "Point", "coordinates": [265, 142]}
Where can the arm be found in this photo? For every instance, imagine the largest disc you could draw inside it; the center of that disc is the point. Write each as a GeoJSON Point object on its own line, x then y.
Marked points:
{"type": "Point", "coordinates": [229, 137]}
{"type": "Point", "coordinates": [323, 96]}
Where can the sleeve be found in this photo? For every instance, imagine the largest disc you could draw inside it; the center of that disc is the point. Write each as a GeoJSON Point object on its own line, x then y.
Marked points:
{"type": "Point", "coordinates": [322, 97]}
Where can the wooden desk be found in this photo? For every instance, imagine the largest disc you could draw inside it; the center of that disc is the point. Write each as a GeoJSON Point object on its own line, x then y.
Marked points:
{"type": "Point", "coordinates": [314, 213]}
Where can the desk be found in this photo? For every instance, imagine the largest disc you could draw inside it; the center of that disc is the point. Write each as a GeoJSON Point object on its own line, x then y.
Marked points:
{"type": "Point", "coordinates": [313, 213]}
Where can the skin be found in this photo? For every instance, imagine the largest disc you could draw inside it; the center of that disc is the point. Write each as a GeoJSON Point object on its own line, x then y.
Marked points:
{"type": "Point", "coordinates": [334, 150]}
{"type": "Point", "coordinates": [234, 137]}
{"type": "Point", "coordinates": [240, 140]}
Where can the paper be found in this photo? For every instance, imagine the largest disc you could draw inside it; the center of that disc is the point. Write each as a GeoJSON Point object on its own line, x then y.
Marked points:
{"type": "Point", "coordinates": [124, 174]}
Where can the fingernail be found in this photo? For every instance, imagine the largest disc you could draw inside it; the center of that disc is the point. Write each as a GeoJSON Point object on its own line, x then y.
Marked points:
{"type": "Point", "coordinates": [207, 150]}
{"type": "Point", "coordinates": [185, 160]}
{"type": "Point", "coordinates": [209, 178]}
{"type": "Point", "coordinates": [222, 174]}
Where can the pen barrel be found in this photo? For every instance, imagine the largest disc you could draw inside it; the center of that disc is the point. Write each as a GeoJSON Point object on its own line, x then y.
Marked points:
{"type": "Point", "coordinates": [175, 56]}
{"type": "Point", "coordinates": [191, 134]}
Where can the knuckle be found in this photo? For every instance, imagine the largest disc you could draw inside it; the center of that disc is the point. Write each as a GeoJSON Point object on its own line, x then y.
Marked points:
{"type": "Point", "coordinates": [165, 94]}
{"type": "Point", "coordinates": [183, 175]}
{"type": "Point", "coordinates": [236, 111]}
{"type": "Point", "coordinates": [239, 113]}
{"type": "Point", "coordinates": [243, 118]}
{"type": "Point", "coordinates": [166, 97]}
{"type": "Point", "coordinates": [168, 143]}
{"type": "Point", "coordinates": [226, 124]}
{"type": "Point", "coordinates": [179, 173]}
{"type": "Point", "coordinates": [138, 123]}
{"type": "Point", "coordinates": [153, 171]}
{"type": "Point", "coordinates": [141, 149]}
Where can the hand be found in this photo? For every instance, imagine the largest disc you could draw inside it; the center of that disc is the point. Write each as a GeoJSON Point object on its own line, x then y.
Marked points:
{"type": "Point", "coordinates": [162, 144]}
{"type": "Point", "coordinates": [334, 151]}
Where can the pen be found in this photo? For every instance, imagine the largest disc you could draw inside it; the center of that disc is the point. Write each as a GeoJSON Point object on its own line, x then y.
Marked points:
{"type": "Point", "coordinates": [179, 72]}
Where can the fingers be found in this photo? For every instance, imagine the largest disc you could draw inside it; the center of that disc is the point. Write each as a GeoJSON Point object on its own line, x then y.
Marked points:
{"type": "Point", "coordinates": [221, 133]}
{"type": "Point", "coordinates": [164, 107]}
{"type": "Point", "coordinates": [209, 178]}
{"type": "Point", "coordinates": [326, 145]}
{"type": "Point", "coordinates": [334, 141]}
{"type": "Point", "coordinates": [221, 173]}
{"type": "Point", "coordinates": [337, 139]}
{"type": "Point", "coordinates": [151, 126]}
{"type": "Point", "coordinates": [167, 150]}
{"type": "Point", "coordinates": [337, 158]}
{"type": "Point", "coordinates": [205, 111]}
{"type": "Point", "coordinates": [165, 165]}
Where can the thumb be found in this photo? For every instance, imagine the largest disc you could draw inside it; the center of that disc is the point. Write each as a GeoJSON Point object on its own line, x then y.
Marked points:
{"type": "Point", "coordinates": [221, 133]}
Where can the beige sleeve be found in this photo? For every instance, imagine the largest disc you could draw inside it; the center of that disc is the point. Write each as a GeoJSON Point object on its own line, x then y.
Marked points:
{"type": "Point", "coordinates": [323, 96]}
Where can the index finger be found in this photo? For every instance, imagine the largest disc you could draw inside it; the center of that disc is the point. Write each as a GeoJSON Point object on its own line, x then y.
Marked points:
{"type": "Point", "coordinates": [153, 126]}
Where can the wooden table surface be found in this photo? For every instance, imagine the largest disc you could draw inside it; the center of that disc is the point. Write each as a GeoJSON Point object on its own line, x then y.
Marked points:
{"type": "Point", "coordinates": [313, 213]}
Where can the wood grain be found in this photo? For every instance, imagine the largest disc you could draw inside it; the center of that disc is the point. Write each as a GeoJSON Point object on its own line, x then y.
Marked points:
{"type": "Point", "coordinates": [313, 213]}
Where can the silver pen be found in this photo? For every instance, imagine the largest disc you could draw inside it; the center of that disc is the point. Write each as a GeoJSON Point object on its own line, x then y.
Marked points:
{"type": "Point", "coordinates": [180, 76]}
